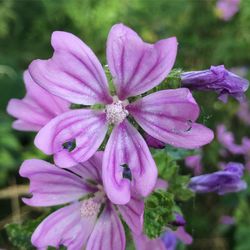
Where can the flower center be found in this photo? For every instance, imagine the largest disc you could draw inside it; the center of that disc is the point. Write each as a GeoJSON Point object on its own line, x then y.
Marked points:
{"type": "Point", "coordinates": [90, 207]}
{"type": "Point", "coordinates": [116, 112]}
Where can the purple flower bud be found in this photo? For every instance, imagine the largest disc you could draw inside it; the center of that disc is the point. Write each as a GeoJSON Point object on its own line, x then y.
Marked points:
{"type": "Point", "coordinates": [179, 221]}
{"type": "Point", "coordinates": [169, 239]}
{"type": "Point", "coordinates": [221, 182]}
{"type": "Point", "coordinates": [217, 79]}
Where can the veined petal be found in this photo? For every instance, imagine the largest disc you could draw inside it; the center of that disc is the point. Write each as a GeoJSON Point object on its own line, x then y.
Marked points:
{"type": "Point", "coordinates": [37, 108]}
{"type": "Point", "coordinates": [108, 232]}
{"type": "Point", "coordinates": [50, 185]}
{"type": "Point", "coordinates": [86, 127]}
{"type": "Point", "coordinates": [169, 116]}
{"type": "Point", "coordinates": [73, 73]}
{"type": "Point", "coordinates": [64, 227]}
{"type": "Point", "coordinates": [25, 126]}
{"type": "Point", "coordinates": [127, 147]}
{"type": "Point", "coordinates": [132, 213]}
{"type": "Point", "coordinates": [137, 66]}
{"type": "Point", "coordinates": [90, 169]}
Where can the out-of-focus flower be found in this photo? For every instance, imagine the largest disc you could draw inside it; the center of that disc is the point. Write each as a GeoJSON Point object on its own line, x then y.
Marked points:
{"type": "Point", "coordinates": [168, 241]}
{"type": "Point", "coordinates": [75, 74]}
{"type": "Point", "coordinates": [222, 182]}
{"type": "Point", "coordinates": [194, 162]}
{"type": "Point", "coordinates": [244, 112]}
{"type": "Point", "coordinates": [37, 108]}
{"type": "Point", "coordinates": [226, 138]}
{"type": "Point", "coordinates": [217, 79]}
{"type": "Point", "coordinates": [89, 219]}
{"type": "Point", "coordinates": [226, 9]}
{"type": "Point", "coordinates": [227, 220]}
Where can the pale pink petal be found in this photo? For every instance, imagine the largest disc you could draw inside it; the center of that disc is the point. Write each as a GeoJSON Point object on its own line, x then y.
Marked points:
{"type": "Point", "coordinates": [142, 242]}
{"type": "Point", "coordinates": [73, 73]}
{"type": "Point", "coordinates": [50, 185]}
{"type": "Point", "coordinates": [46, 101]}
{"type": "Point", "coordinates": [126, 146]}
{"type": "Point", "coordinates": [108, 232]}
{"type": "Point", "coordinates": [132, 214]}
{"type": "Point", "coordinates": [64, 227]}
{"type": "Point", "coordinates": [169, 116]}
{"type": "Point", "coordinates": [137, 66]}
{"type": "Point", "coordinates": [86, 127]}
{"type": "Point", "coordinates": [25, 126]}
{"type": "Point", "coordinates": [29, 112]}
{"type": "Point", "coordinates": [37, 108]}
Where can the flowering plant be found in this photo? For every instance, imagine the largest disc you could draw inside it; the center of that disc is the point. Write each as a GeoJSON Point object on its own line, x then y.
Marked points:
{"type": "Point", "coordinates": [107, 130]}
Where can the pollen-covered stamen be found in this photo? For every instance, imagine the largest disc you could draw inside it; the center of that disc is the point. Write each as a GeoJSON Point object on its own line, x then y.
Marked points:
{"type": "Point", "coordinates": [116, 112]}
{"type": "Point", "coordinates": [90, 207]}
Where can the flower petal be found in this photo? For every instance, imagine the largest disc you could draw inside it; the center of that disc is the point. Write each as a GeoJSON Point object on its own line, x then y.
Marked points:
{"type": "Point", "coordinates": [126, 146]}
{"type": "Point", "coordinates": [108, 232]}
{"type": "Point", "coordinates": [64, 227]}
{"type": "Point", "coordinates": [142, 242]}
{"type": "Point", "coordinates": [137, 66]}
{"type": "Point", "coordinates": [73, 73]}
{"type": "Point", "coordinates": [168, 116]}
{"type": "Point", "coordinates": [50, 185]}
{"type": "Point", "coordinates": [86, 127]}
{"type": "Point", "coordinates": [90, 169]}
{"type": "Point", "coordinates": [37, 108]}
{"type": "Point", "coordinates": [132, 213]}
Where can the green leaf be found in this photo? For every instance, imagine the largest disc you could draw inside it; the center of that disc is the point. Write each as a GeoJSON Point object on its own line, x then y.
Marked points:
{"type": "Point", "coordinates": [178, 153]}
{"type": "Point", "coordinates": [158, 212]}
{"type": "Point", "coordinates": [20, 234]}
{"type": "Point", "coordinates": [168, 169]}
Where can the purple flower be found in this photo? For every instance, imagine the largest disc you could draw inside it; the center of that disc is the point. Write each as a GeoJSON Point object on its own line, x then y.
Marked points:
{"type": "Point", "coordinates": [227, 220]}
{"type": "Point", "coordinates": [226, 138]}
{"type": "Point", "coordinates": [75, 74]}
{"type": "Point", "coordinates": [194, 162]}
{"type": "Point", "coordinates": [221, 182]}
{"type": "Point", "coordinates": [89, 219]}
{"type": "Point", "coordinates": [244, 112]}
{"type": "Point", "coordinates": [168, 241]}
{"type": "Point", "coordinates": [37, 108]}
{"type": "Point", "coordinates": [179, 220]}
{"type": "Point", "coordinates": [226, 9]}
{"type": "Point", "coordinates": [217, 79]}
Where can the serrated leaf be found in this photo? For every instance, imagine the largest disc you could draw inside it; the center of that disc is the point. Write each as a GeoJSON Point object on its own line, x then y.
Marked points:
{"type": "Point", "coordinates": [158, 212]}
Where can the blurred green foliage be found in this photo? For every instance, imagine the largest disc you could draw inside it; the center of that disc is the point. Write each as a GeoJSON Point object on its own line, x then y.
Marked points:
{"type": "Point", "coordinates": [204, 40]}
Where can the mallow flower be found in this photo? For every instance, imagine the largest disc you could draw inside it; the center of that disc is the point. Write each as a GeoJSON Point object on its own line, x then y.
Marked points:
{"type": "Point", "coordinates": [224, 181]}
{"type": "Point", "coordinates": [226, 138]}
{"type": "Point", "coordinates": [217, 79]}
{"type": "Point", "coordinates": [37, 108]}
{"type": "Point", "coordinates": [87, 219]}
{"type": "Point", "coordinates": [194, 162]}
{"type": "Point", "coordinates": [226, 9]}
{"type": "Point", "coordinates": [244, 112]}
{"type": "Point", "coordinates": [75, 74]}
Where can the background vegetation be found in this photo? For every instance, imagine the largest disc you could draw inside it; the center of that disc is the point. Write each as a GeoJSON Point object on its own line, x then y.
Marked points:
{"type": "Point", "coordinates": [204, 40]}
